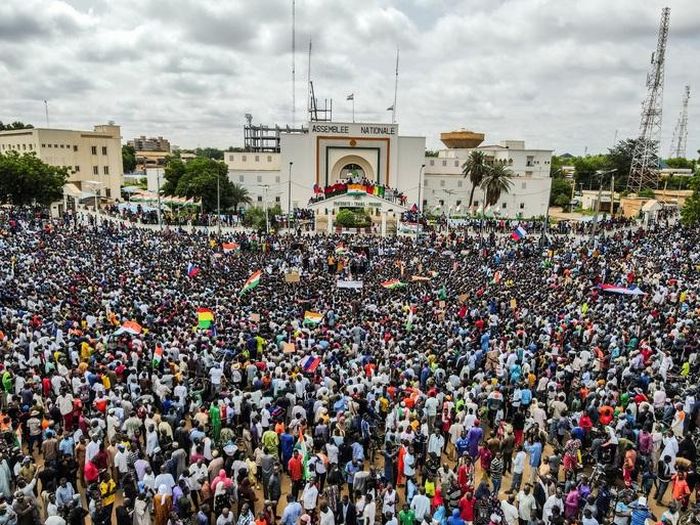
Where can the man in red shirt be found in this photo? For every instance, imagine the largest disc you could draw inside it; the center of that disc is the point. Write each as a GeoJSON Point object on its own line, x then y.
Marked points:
{"type": "Point", "coordinates": [466, 507]}
{"type": "Point", "coordinates": [296, 473]}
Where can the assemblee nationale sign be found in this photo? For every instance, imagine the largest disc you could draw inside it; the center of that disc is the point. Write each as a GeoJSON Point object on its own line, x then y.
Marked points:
{"type": "Point", "coordinates": [348, 129]}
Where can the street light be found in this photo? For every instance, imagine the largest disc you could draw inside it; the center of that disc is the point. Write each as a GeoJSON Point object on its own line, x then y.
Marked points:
{"type": "Point", "coordinates": [218, 204]}
{"type": "Point", "coordinates": [420, 187]}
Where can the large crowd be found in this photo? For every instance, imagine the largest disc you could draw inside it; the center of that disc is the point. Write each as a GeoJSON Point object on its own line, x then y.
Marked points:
{"type": "Point", "coordinates": [147, 380]}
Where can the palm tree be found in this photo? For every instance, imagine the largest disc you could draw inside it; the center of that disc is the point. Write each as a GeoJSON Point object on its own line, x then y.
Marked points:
{"type": "Point", "coordinates": [239, 195]}
{"type": "Point", "coordinates": [476, 169]}
{"type": "Point", "coordinates": [497, 181]}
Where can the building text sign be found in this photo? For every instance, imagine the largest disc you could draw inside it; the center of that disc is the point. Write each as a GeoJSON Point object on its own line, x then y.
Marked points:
{"type": "Point", "coordinates": [354, 129]}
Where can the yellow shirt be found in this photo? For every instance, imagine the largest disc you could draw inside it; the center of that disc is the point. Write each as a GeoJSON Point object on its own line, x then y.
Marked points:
{"type": "Point", "coordinates": [108, 489]}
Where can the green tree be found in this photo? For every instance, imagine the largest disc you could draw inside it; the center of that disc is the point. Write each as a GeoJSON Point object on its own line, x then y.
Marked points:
{"type": "Point", "coordinates": [585, 169]}
{"type": "Point", "coordinates": [556, 165]}
{"type": "Point", "coordinates": [210, 153]}
{"type": "Point", "coordinates": [679, 163]}
{"type": "Point", "coordinates": [239, 195]}
{"type": "Point", "coordinates": [128, 158]}
{"type": "Point", "coordinates": [476, 169]}
{"type": "Point", "coordinates": [24, 179]}
{"type": "Point", "coordinates": [560, 194]}
{"type": "Point", "coordinates": [690, 213]}
{"type": "Point", "coordinates": [15, 125]}
{"type": "Point", "coordinates": [431, 153]}
{"type": "Point", "coordinates": [174, 170]}
{"type": "Point", "coordinates": [199, 181]}
{"type": "Point", "coordinates": [497, 181]}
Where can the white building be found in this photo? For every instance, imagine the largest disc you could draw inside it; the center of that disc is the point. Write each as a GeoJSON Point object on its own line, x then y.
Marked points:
{"type": "Point", "coordinates": [325, 153]}
{"type": "Point", "coordinates": [93, 158]}
{"type": "Point", "coordinates": [328, 151]}
{"type": "Point", "coordinates": [446, 190]}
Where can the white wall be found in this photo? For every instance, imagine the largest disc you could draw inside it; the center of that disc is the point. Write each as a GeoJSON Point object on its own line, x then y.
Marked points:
{"type": "Point", "coordinates": [411, 157]}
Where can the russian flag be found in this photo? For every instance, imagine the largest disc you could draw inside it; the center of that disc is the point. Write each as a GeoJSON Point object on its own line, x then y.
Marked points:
{"type": "Point", "coordinates": [192, 270]}
{"type": "Point", "coordinates": [310, 364]}
{"type": "Point", "coordinates": [518, 233]}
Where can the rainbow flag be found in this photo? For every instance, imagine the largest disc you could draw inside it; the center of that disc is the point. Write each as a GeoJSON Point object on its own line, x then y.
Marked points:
{"type": "Point", "coordinates": [392, 284]}
{"type": "Point", "coordinates": [252, 282]}
{"type": "Point", "coordinates": [205, 317]}
{"type": "Point", "coordinates": [229, 247]}
{"type": "Point", "coordinates": [312, 317]}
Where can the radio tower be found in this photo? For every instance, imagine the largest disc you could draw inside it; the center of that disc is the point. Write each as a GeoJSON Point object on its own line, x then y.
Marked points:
{"type": "Point", "coordinates": [644, 170]}
{"type": "Point", "coordinates": [680, 133]}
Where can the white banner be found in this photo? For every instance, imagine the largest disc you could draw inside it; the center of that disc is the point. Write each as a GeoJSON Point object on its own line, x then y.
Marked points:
{"type": "Point", "coordinates": [356, 285]}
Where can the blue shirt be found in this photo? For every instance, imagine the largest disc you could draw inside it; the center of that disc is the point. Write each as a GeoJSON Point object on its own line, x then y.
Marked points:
{"type": "Point", "coordinates": [66, 446]}
{"type": "Point", "coordinates": [525, 396]}
{"type": "Point", "coordinates": [292, 512]}
{"type": "Point", "coordinates": [535, 451]}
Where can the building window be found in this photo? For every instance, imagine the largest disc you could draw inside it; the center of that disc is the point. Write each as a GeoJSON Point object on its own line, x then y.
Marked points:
{"type": "Point", "coordinates": [230, 157]}
{"type": "Point", "coordinates": [259, 178]}
{"type": "Point", "coordinates": [523, 185]}
{"type": "Point", "coordinates": [241, 178]}
{"type": "Point", "coordinates": [425, 183]}
{"type": "Point", "coordinates": [55, 146]}
{"type": "Point", "coordinates": [442, 183]}
{"type": "Point", "coordinates": [522, 205]}
{"type": "Point", "coordinates": [108, 193]}
{"type": "Point", "coordinates": [257, 158]}
{"type": "Point", "coordinates": [104, 150]}
{"type": "Point", "coordinates": [75, 147]}
{"type": "Point", "coordinates": [77, 169]}
{"type": "Point", "coordinates": [528, 174]}
{"type": "Point", "coordinates": [269, 158]}
{"type": "Point", "coordinates": [476, 204]}
{"type": "Point", "coordinates": [105, 169]}
{"type": "Point", "coordinates": [459, 203]}
{"type": "Point", "coordinates": [62, 146]}
{"type": "Point", "coordinates": [442, 202]}
{"type": "Point", "coordinates": [277, 199]}
{"type": "Point", "coordinates": [95, 170]}
{"type": "Point", "coordinates": [425, 203]}
{"type": "Point", "coordinates": [244, 158]}
{"type": "Point", "coordinates": [24, 147]}
{"type": "Point", "coordinates": [94, 150]}
{"type": "Point", "coordinates": [444, 163]}
{"type": "Point", "coordinates": [456, 164]}
{"type": "Point", "coordinates": [504, 205]}
{"type": "Point", "coordinates": [459, 183]}
{"type": "Point", "coordinates": [43, 145]}
{"type": "Point", "coordinates": [432, 162]}
{"type": "Point", "coordinates": [277, 178]}
{"type": "Point", "coordinates": [259, 198]}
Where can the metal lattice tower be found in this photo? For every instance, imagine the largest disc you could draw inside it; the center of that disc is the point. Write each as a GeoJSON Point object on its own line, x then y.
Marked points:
{"type": "Point", "coordinates": [680, 132]}
{"type": "Point", "coordinates": [644, 170]}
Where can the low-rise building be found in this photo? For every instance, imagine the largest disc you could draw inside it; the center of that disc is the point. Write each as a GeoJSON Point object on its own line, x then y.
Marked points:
{"type": "Point", "coordinates": [93, 158]}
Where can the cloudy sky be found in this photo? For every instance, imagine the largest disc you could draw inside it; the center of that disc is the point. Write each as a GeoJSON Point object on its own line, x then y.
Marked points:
{"type": "Point", "coordinates": [561, 74]}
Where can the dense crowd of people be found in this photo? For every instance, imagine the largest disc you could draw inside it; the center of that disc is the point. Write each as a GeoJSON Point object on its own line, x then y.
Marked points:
{"type": "Point", "coordinates": [146, 379]}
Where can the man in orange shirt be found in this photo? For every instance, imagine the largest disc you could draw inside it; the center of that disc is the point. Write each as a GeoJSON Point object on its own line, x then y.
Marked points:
{"type": "Point", "coordinates": [296, 473]}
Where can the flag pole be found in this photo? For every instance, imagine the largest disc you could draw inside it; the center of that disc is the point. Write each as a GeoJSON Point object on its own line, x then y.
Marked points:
{"type": "Point", "coordinates": [396, 88]}
{"type": "Point", "coordinates": [353, 108]}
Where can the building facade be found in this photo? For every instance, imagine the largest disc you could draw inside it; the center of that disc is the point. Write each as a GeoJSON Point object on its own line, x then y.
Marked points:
{"type": "Point", "coordinates": [144, 143]}
{"type": "Point", "coordinates": [330, 151]}
{"type": "Point", "coordinates": [325, 153]}
{"type": "Point", "coordinates": [446, 190]}
{"type": "Point", "coordinates": [93, 158]}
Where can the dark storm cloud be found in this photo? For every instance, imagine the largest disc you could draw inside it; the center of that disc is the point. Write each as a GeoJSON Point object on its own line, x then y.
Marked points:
{"type": "Point", "coordinates": [563, 74]}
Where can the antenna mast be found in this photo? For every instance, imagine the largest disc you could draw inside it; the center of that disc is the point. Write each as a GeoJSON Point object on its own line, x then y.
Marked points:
{"type": "Point", "coordinates": [644, 170]}
{"type": "Point", "coordinates": [680, 133]}
{"type": "Point", "coordinates": [308, 84]}
{"type": "Point", "coordinates": [294, 69]}
{"type": "Point", "coordinates": [396, 88]}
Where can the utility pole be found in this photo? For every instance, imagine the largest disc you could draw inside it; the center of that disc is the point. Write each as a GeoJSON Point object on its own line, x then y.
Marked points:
{"type": "Point", "coordinates": [600, 174]}
{"type": "Point", "coordinates": [612, 196]}
{"type": "Point", "coordinates": [218, 204]}
{"type": "Point", "coordinates": [289, 195]}
{"type": "Point", "coordinates": [160, 221]}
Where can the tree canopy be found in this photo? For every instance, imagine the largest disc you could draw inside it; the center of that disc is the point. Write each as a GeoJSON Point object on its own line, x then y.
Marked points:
{"type": "Point", "coordinates": [197, 179]}
{"type": "Point", "coordinates": [25, 179]}
{"type": "Point", "coordinates": [128, 158]}
{"type": "Point", "coordinates": [14, 125]}
{"type": "Point", "coordinates": [690, 213]}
